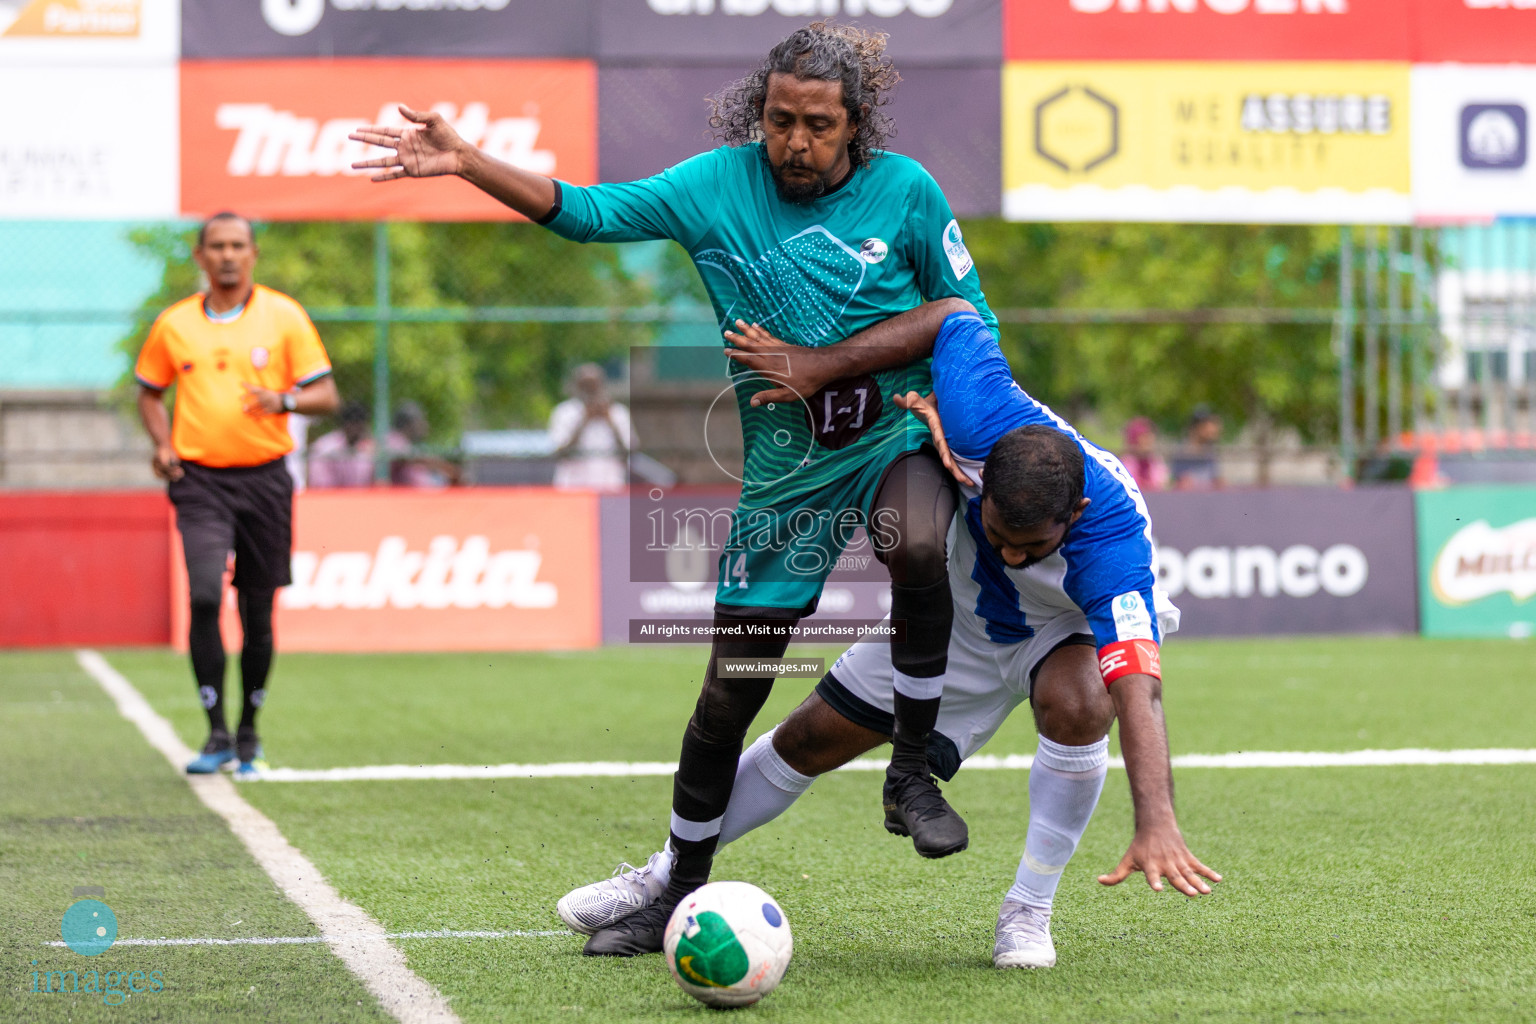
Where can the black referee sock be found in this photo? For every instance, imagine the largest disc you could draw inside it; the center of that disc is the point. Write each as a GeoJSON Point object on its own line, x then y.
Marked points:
{"type": "Point", "coordinates": [255, 654]}
{"type": "Point", "coordinates": [207, 648]}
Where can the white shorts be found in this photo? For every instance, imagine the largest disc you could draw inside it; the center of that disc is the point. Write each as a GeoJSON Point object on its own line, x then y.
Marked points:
{"type": "Point", "coordinates": [984, 682]}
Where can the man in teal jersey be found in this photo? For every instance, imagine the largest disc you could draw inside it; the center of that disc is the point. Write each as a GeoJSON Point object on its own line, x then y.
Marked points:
{"type": "Point", "coordinates": [802, 224]}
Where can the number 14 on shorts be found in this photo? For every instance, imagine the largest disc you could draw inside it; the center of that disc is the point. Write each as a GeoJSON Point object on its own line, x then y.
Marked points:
{"type": "Point", "coordinates": [738, 572]}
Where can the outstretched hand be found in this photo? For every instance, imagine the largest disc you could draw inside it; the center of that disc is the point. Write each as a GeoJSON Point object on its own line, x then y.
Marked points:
{"type": "Point", "coordinates": [1160, 853]}
{"type": "Point", "coordinates": [924, 409]}
{"type": "Point", "coordinates": [423, 149]}
{"type": "Point", "coordinates": [799, 371]}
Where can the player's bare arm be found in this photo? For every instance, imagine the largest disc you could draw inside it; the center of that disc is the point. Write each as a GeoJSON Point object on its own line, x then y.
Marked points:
{"type": "Point", "coordinates": [318, 398]}
{"type": "Point", "coordinates": [157, 424]}
{"type": "Point", "coordinates": [1158, 849]}
{"type": "Point", "coordinates": [428, 147]}
{"type": "Point", "coordinates": [803, 371]}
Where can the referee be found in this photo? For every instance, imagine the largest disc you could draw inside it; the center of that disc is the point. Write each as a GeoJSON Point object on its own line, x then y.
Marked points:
{"type": "Point", "coordinates": [242, 358]}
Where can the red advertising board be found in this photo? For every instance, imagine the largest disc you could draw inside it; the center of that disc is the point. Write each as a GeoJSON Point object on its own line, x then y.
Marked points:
{"type": "Point", "coordinates": [1475, 31]}
{"type": "Point", "coordinates": [487, 569]}
{"type": "Point", "coordinates": [269, 138]}
{"type": "Point", "coordinates": [1207, 29]}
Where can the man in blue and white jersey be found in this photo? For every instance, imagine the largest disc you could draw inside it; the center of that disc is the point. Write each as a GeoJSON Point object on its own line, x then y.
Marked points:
{"type": "Point", "coordinates": [1055, 601]}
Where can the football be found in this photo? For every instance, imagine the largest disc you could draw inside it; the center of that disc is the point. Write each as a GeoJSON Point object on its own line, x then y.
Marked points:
{"type": "Point", "coordinates": [727, 944]}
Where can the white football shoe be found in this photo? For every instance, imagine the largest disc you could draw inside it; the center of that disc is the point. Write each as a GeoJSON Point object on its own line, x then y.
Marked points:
{"type": "Point", "coordinates": [1023, 937]}
{"type": "Point", "coordinates": [600, 905]}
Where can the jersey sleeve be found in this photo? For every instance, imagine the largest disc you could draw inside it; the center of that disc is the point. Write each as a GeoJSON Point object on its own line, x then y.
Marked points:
{"type": "Point", "coordinates": [973, 385]}
{"type": "Point", "coordinates": [943, 263]}
{"type": "Point", "coordinates": [154, 368]}
{"type": "Point", "coordinates": [306, 352]}
{"type": "Point", "coordinates": [1110, 577]}
{"type": "Point", "coordinates": [680, 203]}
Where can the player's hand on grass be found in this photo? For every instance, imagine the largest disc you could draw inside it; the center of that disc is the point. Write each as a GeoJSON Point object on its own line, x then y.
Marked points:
{"type": "Point", "coordinates": [799, 371]}
{"type": "Point", "coordinates": [924, 409]}
{"type": "Point", "coordinates": [426, 148]}
{"type": "Point", "coordinates": [165, 463]}
{"type": "Point", "coordinates": [1160, 853]}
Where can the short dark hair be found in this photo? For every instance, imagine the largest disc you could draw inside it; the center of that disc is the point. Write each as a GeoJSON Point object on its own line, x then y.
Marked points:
{"type": "Point", "coordinates": [354, 412]}
{"type": "Point", "coordinates": [1034, 475]}
{"type": "Point", "coordinates": [202, 231]}
{"type": "Point", "coordinates": [822, 51]}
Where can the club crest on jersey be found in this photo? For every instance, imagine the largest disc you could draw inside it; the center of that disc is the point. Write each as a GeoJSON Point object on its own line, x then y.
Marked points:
{"type": "Point", "coordinates": [873, 250]}
{"type": "Point", "coordinates": [954, 247]}
{"type": "Point", "coordinates": [1132, 620]}
{"type": "Point", "coordinates": [259, 357]}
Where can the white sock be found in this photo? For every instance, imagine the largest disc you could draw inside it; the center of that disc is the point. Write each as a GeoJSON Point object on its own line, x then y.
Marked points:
{"type": "Point", "coordinates": [765, 787]}
{"type": "Point", "coordinates": [1064, 788]}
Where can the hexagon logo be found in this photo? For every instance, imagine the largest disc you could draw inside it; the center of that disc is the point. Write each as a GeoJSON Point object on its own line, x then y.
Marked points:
{"type": "Point", "coordinates": [1077, 129]}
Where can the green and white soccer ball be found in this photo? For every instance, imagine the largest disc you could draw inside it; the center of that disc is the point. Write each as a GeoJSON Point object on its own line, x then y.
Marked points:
{"type": "Point", "coordinates": [728, 943]}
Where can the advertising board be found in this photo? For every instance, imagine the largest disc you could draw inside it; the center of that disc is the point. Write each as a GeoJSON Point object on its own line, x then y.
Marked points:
{"type": "Point", "coordinates": [88, 33]}
{"type": "Point", "coordinates": [269, 138]}
{"type": "Point", "coordinates": [354, 28]}
{"type": "Point", "coordinates": [1491, 31]}
{"type": "Point", "coordinates": [921, 31]}
{"type": "Point", "coordinates": [89, 143]}
{"type": "Point", "coordinates": [457, 571]}
{"type": "Point", "coordinates": [1473, 157]}
{"type": "Point", "coordinates": [947, 119]}
{"type": "Point", "coordinates": [1216, 141]}
{"type": "Point", "coordinates": [1287, 560]}
{"type": "Point", "coordinates": [1477, 561]}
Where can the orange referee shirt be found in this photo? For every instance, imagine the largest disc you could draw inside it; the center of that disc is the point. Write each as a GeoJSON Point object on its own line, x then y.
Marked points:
{"type": "Point", "coordinates": [271, 343]}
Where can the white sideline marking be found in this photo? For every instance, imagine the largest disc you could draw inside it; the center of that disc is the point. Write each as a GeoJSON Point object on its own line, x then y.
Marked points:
{"type": "Point", "coordinates": [985, 762]}
{"type": "Point", "coordinates": [305, 940]}
{"type": "Point", "coordinates": [356, 938]}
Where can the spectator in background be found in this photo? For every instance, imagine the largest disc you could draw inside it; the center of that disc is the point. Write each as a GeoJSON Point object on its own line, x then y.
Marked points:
{"type": "Point", "coordinates": [1140, 456]}
{"type": "Point", "coordinates": [344, 457]}
{"type": "Point", "coordinates": [1194, 466]}
{"type": "Point", "coordinates": [408, 467]}
{"type": "Point", "coordinates": [591, 434]}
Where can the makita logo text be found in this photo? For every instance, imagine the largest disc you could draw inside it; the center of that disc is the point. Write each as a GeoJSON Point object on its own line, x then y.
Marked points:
{"type": "Point", "coordinates": [279, 142]}
{"type": "Point", "coordinates": [446, 575]}
{"type": "Point", "coordinates": [805, 8]}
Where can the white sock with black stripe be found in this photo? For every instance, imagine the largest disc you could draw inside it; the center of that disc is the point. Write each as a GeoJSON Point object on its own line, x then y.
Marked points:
{"type": "Point", "coordinates": [765, 787]}
{"type": "Point", "coordinates": [1064, 787]}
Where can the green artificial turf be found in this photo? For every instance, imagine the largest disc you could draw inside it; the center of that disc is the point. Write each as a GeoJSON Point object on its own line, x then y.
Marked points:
{"type": "Point", "coordinates": [1360, 894]}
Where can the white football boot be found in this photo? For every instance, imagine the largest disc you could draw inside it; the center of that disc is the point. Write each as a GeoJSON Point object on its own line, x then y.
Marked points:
{"type": "Point", "coordinates": [1023, 937]}
{"type": "Point", "coordinates": [600, 905]}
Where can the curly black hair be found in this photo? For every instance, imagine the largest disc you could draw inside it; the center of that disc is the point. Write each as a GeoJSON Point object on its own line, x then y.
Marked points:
{"type": "Point", "coordinates": [822, 51]}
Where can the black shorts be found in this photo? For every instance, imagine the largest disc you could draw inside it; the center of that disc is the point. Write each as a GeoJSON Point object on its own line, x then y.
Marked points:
{"type": "Point", "coordinates": [244, 509]}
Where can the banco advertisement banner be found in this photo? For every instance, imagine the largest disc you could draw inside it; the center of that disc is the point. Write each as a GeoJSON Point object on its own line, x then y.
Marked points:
{"type": "Point", "coordinates": [269, 138]}
{"type": "Point", "coordinates": [459, 571]}
{"type": "Point", "coordinates": [946, 118]}
{"type": "Point", "coordinates": [1472, 148]}
{"type": "Point", "coordinates": [1207, 30]}
{"type": "Point", "coordinates": [87, 33]}
{"type": "Point", "coordinates": [352, 28]}
{"type": "Point", "coordinates": [89, 143]}
{"type": "Point", "coordinates": [1302, 560]}
{"type": "Point", "coordinates": [1477, 561]}
{"type": "Point", "coordinates": [1217, 141]}
{"type": "Point", "coordinates": [934, 31]}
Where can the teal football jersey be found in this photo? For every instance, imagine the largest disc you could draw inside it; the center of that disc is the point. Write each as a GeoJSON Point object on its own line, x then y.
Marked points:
{"type": "Point", "coordinates": [812, 274]}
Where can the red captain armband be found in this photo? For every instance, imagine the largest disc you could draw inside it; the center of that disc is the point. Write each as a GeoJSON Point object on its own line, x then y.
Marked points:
{"type": "Point", "coordinates": [1129, 657]}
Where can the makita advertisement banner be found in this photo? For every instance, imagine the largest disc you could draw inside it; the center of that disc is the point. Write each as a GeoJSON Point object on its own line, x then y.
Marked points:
{"type": "Point", "coordinates": [269, 138]}
{"type": "Point", "coordinates": [426, 28]}
{"type": "Point", "coordinates": [1256, 563]}
{"type": "Point", "coordinates": [1477, 561]}
{"type": "Point", "coordinates": [933, 31]}
{"type": "Point", "coordinates": [948, 119]}
{"type": "Point", "coordinates": [459, 571]}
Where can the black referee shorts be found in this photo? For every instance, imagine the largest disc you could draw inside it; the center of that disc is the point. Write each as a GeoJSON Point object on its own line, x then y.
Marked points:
{"type": "Point", "coordinates": [244, 509]}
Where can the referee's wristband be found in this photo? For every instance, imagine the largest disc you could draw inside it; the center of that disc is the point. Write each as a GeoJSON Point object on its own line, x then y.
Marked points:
{"type": "Point", "coordinates": [290, 401]}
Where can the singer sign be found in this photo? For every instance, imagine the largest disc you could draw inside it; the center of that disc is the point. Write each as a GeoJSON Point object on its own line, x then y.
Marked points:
{"type": "Point", "coordinates": [391, 571]}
